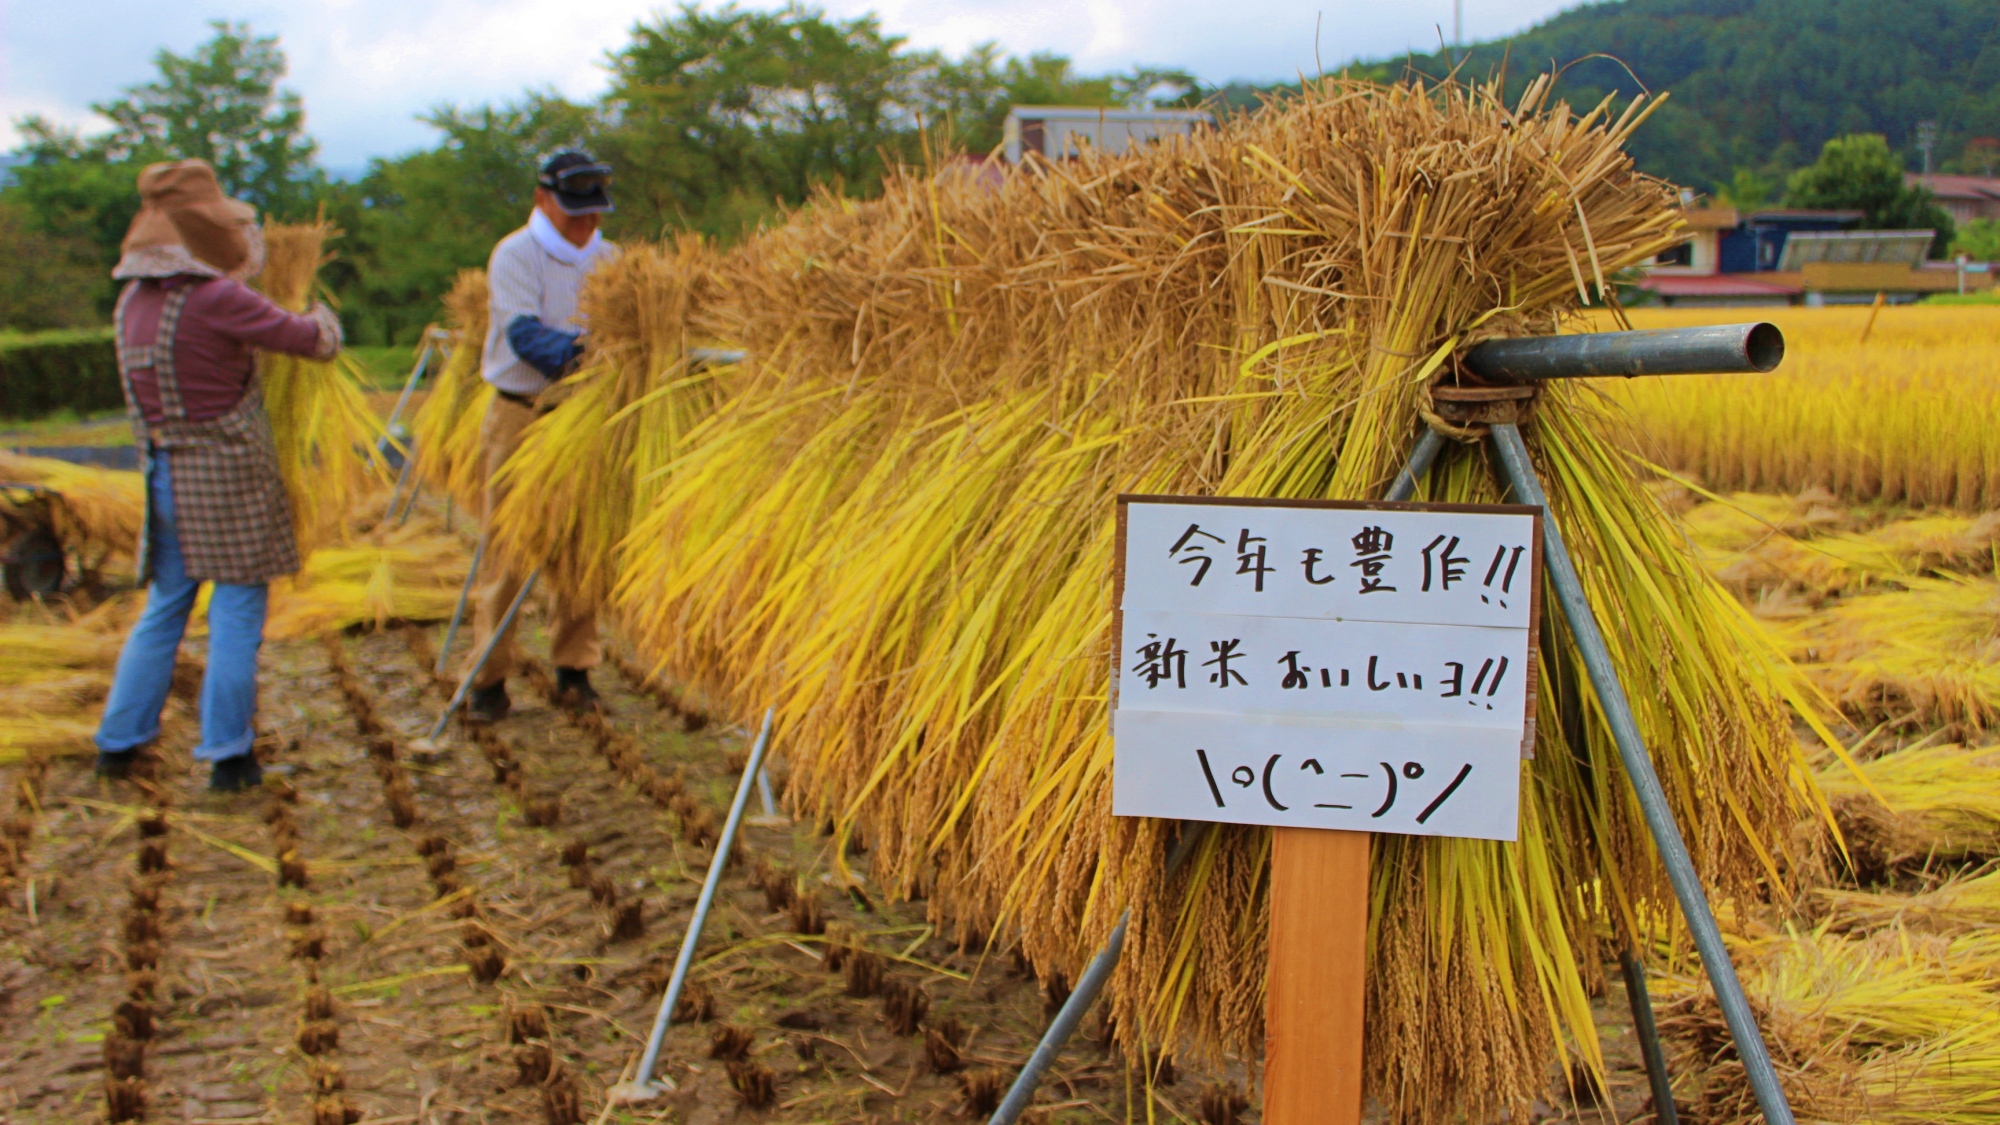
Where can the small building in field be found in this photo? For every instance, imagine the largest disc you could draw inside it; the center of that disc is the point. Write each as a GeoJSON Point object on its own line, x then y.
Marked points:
{"type": "Point", "coordinates": [1793, 256]}
{"type": "Point", "coordinates": [1964, 198]}
{"type": "Point", "coordinates": [1057, 132]}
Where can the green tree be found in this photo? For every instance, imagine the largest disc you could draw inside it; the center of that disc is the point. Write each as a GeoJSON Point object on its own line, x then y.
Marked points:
{"type": "Point", "coordinates": [222, 104]}
{"type": "Point", "coordinates": [1979, 240]}
{"type": "Point", "coordinates": [414, 221]}
{"type": "Point", "coordinates": [51, 281]}
{"type": "Point", "coordinates": [1747, 190]}
{"type": "Point", "coordinates": [1858, 172]}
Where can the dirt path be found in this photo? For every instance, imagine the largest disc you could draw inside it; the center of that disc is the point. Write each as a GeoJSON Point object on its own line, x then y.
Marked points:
{"type": "Point", "coordinates": [476, 935]}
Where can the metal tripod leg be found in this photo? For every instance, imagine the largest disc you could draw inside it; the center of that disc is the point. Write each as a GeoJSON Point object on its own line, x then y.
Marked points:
{"type": "Point", "coordinates": [458, 612]}
{"type": "Point", "coordinates": [1568, 588]}
{"type": "Point", "coordinates": [1641, 1000]}
{"type": "Point", "coordinates": [1084, 995]}
{"type": "Point", "coordinates": [492, 642]}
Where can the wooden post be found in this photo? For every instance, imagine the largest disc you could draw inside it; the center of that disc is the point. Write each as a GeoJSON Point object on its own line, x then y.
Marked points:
{"type": "Point", "coordinates": [1317, 984]}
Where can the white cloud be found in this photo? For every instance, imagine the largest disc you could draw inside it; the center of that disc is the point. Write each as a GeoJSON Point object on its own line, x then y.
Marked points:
{"type": "Point", "coordinates": [367, 67]}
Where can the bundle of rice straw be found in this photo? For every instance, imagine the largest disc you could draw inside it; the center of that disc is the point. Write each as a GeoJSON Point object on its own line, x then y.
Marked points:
{"type": "Point", "coordinates": [1892, 1027]}
{"type": "Point", "coordinates": [50, 674]}
{"type": "Point", "coordinates": [410, 573]}
{"type": "Point", "coordinates": [445, 430]}
{"type": "Point", "coordinates": [95, 512]}
{"type": "Point", "coordinates": [899, 529]}
{"type": "Point", "coordinates": [321, 423]}
{"type": "Point", "coordinates": [1928, 653]}
{"type": "Point", "coordinates": [591, 463]}
{"type": "Point", "coordinates": [1918, 807]}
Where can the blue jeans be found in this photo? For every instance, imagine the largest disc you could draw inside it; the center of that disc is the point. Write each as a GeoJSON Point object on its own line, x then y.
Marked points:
{"type": "Point", "coordinates": [146, 666]}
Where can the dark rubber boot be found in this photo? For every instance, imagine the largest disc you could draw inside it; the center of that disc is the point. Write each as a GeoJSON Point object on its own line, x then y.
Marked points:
{"type": "Point", "coordinates": [116, 765]}
{"type": "Point", "coordinates": [488, 704]}
{"type": "Point", "coordinates": [230, 775]}
{"type": "Point", "coordinates": [573, 690]}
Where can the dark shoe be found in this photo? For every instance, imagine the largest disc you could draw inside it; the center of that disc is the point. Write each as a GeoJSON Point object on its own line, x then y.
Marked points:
{"type": "Point", "coordinates": [116, 765]}
{"type": "Point", "coordinates": [229, 775]}
{"type": "Point", "coordinates": [488, 704]}
{"type": "Point", "coordinates": [573, 690]}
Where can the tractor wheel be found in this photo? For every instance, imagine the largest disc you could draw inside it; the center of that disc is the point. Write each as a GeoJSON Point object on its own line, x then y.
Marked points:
{"type": "Point", "coordinates": [34, 565]}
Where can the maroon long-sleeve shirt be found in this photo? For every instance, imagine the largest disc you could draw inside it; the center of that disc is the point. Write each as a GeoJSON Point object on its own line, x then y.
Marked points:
{"type": "Point", "coordinates": [221, 324]}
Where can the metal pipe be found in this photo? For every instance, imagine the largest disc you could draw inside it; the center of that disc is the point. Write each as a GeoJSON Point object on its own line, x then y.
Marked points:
{"type": "Point", "coordinates": [409, 385]}
{"type": "Point", "coordinates": [492, 642]}
{"type": "Point", "coordinates": [642, 1086]}
{"type": "Point", "coordinates": [458, 611]}
{"type": "Point", "coordinates": [1568, 588]}
{"type": "Point", "coordinates": [1641, 1000]}
{"type": "Point", "coordinates": [396, 493]}
{"type": "Point", "coordinates": [1714, 349]}
{"type": "Point", "coordinates": [1421, 456]}
{"type": "Point", "coordinates": [1084, 995]}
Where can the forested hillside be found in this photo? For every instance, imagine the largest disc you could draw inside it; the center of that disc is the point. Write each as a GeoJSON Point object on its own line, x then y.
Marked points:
{"type": "Point", "coordinates": [1761, 85]}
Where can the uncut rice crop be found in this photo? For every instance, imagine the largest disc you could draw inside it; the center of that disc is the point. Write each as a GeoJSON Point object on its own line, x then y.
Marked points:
{"type": "Point", "coordinates": [897, 527]}
{"type": "Point", "coordinates": [445, 430]}
{"type": "Point", "coordinates": [321, 424]}
{"type": "Point", "coordinates": [1911, 416]}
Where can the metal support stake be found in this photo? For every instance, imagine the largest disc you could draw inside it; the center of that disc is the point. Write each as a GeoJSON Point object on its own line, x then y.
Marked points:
{"type": "Point", "coordinates": [410, 384]}
{"type": "Point", "coordinates": [396, 494]}
{"type": "Point", "coordinates": [416, 490]}
{"type": "Point", "coordinates": [1641, 1000]}
{"type": "Point", "coordinates": [1562, 577]}
{"type": "Point", "coordinates": [1421, 457]}
{"type": "Point", "coordinates": [1084, 995]}
{"type": "Point", "coordinates": [642, 1087]}
{"type": "Point", "coordinates": [458, 612]}
{"type": "Point", "coordinates": [492, 642]}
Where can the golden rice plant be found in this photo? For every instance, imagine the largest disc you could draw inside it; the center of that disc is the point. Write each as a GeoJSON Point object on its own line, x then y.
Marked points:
{"type": "Point", "coordinates": [899, 529]}
{"type": "Point", "coordinates": [95, 512]}
{"type": "Point", "coordinates": [591, 462]}
{"type": "Point", "coordinates": [1892, 1027]}
{"type": "Point", "coordinates": [1917, 807]}
{"type": "Point", "coordinates": [1965, 906]}
{"type": "Point", "coordinates": [445, 430]}
{"type": "Point", "coordinates": [1912, 416]}
{"type": "Point", "coordinates": [321, 423]}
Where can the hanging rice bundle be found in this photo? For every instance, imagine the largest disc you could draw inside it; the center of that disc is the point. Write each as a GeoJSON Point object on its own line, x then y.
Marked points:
{"type": "Point", "coordinates": [899, 529]}
{"type": "Point", "coordinates": [591, 462]}
{"type": "Point", "coordinates": [94, 512]}
{"type": "Point", "coordinates": [1893, 1027]}
{"type": "Point", "coordinates": [321, 423]}
{"type": "Point", "coordinates": [445, 430]}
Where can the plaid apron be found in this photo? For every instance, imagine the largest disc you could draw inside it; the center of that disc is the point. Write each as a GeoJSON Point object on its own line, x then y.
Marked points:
{"type": "Point", "coordinates": [234, 518]}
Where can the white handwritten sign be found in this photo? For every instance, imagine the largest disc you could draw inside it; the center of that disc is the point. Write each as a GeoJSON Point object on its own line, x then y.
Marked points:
{"type": "Point", "coordinates": [1325, 665]}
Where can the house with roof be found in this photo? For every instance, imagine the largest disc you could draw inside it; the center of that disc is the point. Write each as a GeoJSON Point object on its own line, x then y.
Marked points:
{"type": "Point", "coordinates": [1964, 198]}
{"type": "Point", "coordinates": [1790, 256]}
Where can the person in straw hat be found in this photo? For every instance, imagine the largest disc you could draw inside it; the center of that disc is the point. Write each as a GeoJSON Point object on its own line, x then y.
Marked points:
{"type": "Point", "coordinates": [188, 329]}
{"type": "Point", "coordinates": [534, 338]}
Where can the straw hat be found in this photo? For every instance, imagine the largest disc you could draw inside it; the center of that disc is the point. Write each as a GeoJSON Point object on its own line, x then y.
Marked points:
{"type": "Point", "coordinates": [181, 204]}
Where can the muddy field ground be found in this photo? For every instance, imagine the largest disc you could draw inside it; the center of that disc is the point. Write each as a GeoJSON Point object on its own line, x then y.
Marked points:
{"type": "Point", "coordinates": [482, 934]}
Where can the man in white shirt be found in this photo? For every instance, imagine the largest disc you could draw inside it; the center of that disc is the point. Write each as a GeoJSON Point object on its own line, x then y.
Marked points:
{"type": "Point", "coordinates": [533, 340]}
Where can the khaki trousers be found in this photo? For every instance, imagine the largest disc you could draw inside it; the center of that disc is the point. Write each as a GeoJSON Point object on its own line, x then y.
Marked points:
{"type": "Point", "coordinates": [573, 634]}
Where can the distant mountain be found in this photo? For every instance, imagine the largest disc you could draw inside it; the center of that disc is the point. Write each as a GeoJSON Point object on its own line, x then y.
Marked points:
{"type": "Point", "coordinates": [1762, 84]}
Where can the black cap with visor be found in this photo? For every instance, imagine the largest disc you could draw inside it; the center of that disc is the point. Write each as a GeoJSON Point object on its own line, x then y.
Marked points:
{"type": "Point", "coordinates": [581, 185]}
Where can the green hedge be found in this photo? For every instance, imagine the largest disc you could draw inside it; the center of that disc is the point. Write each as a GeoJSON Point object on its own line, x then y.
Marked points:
{"type": "Point", "coordinates": [44, 372]}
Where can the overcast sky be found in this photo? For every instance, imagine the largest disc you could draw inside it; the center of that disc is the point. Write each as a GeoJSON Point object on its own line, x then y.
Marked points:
{"type": "Point", "coordinates": [367, 67]}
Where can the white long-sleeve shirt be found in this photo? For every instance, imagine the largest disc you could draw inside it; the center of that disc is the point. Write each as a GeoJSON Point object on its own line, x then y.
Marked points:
{"type": "Point", "coordinates": [533, 272]}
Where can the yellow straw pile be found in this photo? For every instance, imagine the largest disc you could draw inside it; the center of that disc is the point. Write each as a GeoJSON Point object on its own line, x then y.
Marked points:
{"type": "Point", "coordinates": [897, 528]}
{"type": "Point", "coordinates": [405, 574]}
{"type": "Point", "coordinates": [321, 424]}
{"type": "Point", "coordinates": [1918, 807]}
{"type": "Point", "coordinates": [95, 512]}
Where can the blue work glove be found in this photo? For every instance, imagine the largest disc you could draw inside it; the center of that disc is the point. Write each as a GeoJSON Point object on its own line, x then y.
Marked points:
{"type": "Point", "coordinates": [550, 351]}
